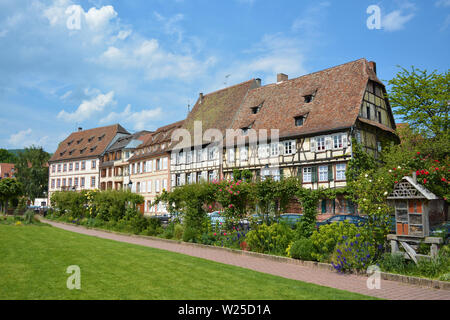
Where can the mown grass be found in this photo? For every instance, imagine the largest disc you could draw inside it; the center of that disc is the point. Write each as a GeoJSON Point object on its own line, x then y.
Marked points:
{"type": "Point", "coordinates": [34, 259]}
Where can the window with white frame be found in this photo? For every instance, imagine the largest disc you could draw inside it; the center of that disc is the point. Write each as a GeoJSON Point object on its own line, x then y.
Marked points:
{"type": "Point", "coordinates": [320, 143]}
{"type": "Point", "coordinates": [230, 157]}
{"type": "Point", "coordinates": [93, 164]}
{"type": "Point", "coordinates": [211, 176]}
{"type": "Point", "coordinates": [307, 175]}
{"type": "Point", "coordinates": [243, 153]}
{"type": "Point", "coordinates": [289, 147]}
{"type": "Point", "coordinates": [93, 182]}
{"type": "Point", "coordinates": [65, 167]}
{"type": "Point", "coordinates": [199, 155]}
{"type": "Point", "coordinates": [178, 179]}
{"type": "Point", "coordinates": [71, 166]}
{"type": "Point", "coordinates": [53, 183]}
{"type": "Point", "coordinates": [82, 182]}
{"type": "Point", "coordinates": [189, 157]}
{"type": "Point", "coordinates": [53, 168]}
{"type": "Point", "coordinates": [274, 149]}
{"type": "Point", "coordinates": [337, 141]}
{"type": "Point", "coordinates": [323, 173]}
{"type": "Point", "coordinates": [189, 178]}
{"type": "Point", "coordinates": [340, 171]}
{"type": "Point", "coordinates": [77, 166]}
{"type": "Point", "coordinates": [83, 165]}
{"type": "Point", "coordinates": [263, 151]}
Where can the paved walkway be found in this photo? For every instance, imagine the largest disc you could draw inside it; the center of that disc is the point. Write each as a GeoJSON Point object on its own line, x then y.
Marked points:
{"type": "Point", "coordinates": [353, 283]}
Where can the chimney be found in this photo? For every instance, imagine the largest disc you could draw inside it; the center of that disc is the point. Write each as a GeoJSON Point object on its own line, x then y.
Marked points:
{"type": "Point", "coordinates": [258, 82]}
{"type": "Point", "coordinates": [282, 77]}
{"type": "Point", "coordinates": [80, 129]}
{"type": "Point", "coordinates": [200, 97]}
{"type": "Point", "coordinates": [373, 66]}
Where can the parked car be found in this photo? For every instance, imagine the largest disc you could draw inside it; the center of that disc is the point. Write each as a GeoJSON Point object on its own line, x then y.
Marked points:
{"type": "Point", "coordinates": [290, 218]}
{"type": "Point", "coordinates": [356, 220]}
{"type": "Point", "coordinates": [215, 218]}
{"type": "Point", "coordinates": [441, 230]}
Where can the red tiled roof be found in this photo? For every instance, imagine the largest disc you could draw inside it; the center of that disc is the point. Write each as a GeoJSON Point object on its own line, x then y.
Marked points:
{"type": "Point", "coordinates": [87, 143]}
{"type": "Point", "coordinates": [338, 94]}
{"type": "Point", "coordinates": [6, 168]}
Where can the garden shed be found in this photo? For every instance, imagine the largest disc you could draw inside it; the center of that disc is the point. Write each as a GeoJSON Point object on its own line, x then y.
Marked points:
{"type": "Point", "coordinates": [416, 209]}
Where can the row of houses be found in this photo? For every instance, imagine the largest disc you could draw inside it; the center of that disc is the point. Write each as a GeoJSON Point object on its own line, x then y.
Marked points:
{"type": "Point", "coordinates": [295, 127]}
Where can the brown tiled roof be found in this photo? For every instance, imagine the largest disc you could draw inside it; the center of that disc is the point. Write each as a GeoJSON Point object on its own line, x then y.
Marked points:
{"type": "Point", "coordinates": [6, 168]}
{"type": "Point", "coordinates": [376, 124]}
{"type": "Point", "coordinates": [87, 143]}
{"type": "Point", "coordinates": [152, 142]}
{"type": "Point", "coordinates": [338, 94]}
{"type": "Point", "coordinates": [216, 110]}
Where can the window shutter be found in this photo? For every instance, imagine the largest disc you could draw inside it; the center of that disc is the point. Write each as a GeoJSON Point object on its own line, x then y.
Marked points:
{"type": "Point", "coordinates": [299, 173]}
{"type": "Point", "coordinates": [205, 175]}
{"type": "Point", "coordinates": [330, 172]}
{"type": "Point", "coordinates": [154, 164]}
{"type": "Point", "coordinates": [314, 174]}
{"type": "Point", "coordinates": [173, 158]}
{"type": "Point", "coordinates": [172, 178]}
{"type": "Point", "coordinates": [183, 179]}
{"type": "Point", "coordinates": [149, 186]}
{"type": "Point", "coordinates": [312, 144]}
{"type": "Point", "coordinates": [165, 161]}
{"type": "Point", "coordinates": [344, 140]}
{"type": "Point", "coordinates": [205, 154]}
{"type": "Point", "coordinates": [328, 143]}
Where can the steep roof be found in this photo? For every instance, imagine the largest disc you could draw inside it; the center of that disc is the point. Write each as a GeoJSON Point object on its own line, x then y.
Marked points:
{"type": "Point", "coordinates": [337, 96]}
{"type": "Point", "coordinates": [153, 142]}
{"type": "Point", "coordinates": [217, 110]}
{"type": "Point", "coordinates": [87, 143]}
{"type": "Point", "coordinates": [6, 168]}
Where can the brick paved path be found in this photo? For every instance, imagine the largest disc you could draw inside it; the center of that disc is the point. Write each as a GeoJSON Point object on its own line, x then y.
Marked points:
{"type": "Point", "coordinates": [354, 283]}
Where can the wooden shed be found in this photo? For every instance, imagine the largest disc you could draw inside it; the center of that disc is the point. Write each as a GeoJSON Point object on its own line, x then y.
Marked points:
{"type": "Point", "coordinates": [416, 209]}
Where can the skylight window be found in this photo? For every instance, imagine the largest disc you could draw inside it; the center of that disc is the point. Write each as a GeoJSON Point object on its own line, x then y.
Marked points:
{"type": "Point", "coordinates": [309, 98]}
{"type": "Point", "coordinates": [299, 121]}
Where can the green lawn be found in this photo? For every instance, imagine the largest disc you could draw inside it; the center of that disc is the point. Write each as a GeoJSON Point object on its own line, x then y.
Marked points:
{"type": "Point", "coordinates": [34, 259]}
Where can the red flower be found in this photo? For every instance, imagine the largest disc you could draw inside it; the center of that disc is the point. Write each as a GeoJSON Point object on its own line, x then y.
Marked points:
{"type": "Point", "coordinates": [443, 179]}
{"type": "Point", "coordinates": [418, 152]}
{"type": "Point", "coordinates": [394, 168]}
{"type": "Point", "coordinates": [395, 181]}
{"type": "Point", "coordinates": [215, 234]}
{"type": "Point", "coordinates": [418, 172]}
{"type": "Point", "coordinates": [424, 180]}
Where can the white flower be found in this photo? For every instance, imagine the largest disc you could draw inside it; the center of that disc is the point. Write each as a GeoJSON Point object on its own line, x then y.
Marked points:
{"type": "Point", "coordinates": [385, 193]}
{"type": "Point", "coordinates": [399, 167]}
{"type": "Point", "coordinates": [390, 170]}
{"type": "Point", "coordinates": [366, 175]}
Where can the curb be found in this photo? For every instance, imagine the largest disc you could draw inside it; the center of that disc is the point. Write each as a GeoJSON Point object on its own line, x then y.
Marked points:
{"type": "Point", "coordinates": [417, 281]}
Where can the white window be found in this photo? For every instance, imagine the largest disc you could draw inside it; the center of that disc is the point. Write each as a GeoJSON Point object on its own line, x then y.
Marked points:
{"type": "Point", "coordinates": [289, 147]}
{"type": "Point", "coordinates": [243, 153]}
{"type": "Point", "coordinates": [189, 157]}
{"type": "Point", "coordinates": [230, 157]}
{"type": "Point", "coordinates": [211, 153]}
{"type": "Point", "coordinates": [149, 186]}
{"type": "Point", "coordinates": [320, 144]}
{"type": "Point", "coordinates": [165, 163]}
{"type": "Point", "coordinates": [211, 176]}
{"type": "Point", "coordinates": [199, 155]}
{"type": "Point", "coordinates": [189, 178]}
{"type": "Point", "coordinates": [157, 183]}
{"type": "Point", "coordinates": [93, 164]}
{"type": "Point", "coordinates": [337, 142]}
{"type": "Point", "coordinates": [274, 149]}
{"type": "Point", "coordinates": [178, 179]}
{"type": "Point", "coordinates": [323, 173]}
{"type": "Point", "coordinates": [307, 174]}
{"type": "Point", "coordinates": [263, 151]}
{"type": "Point", "coordinates": [340, 171]}
{"type": "Point", "coordinates": [164, 184]}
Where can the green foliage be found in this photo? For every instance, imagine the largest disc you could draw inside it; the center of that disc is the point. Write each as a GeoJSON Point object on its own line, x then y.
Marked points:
{"type": "Point", "coordinates": [328, 236]}
{"type": "Point", "coordinates": [10, 189]}
{"type": "Point", "coordinates": [234, 197]}
{"type": "Point", "coordinates": [270, 239]}
{"type": "Point", "coordinates": [309, 200]}
{"type": "Point", "coordinates": [7, 157]}
{"type": "Point", "coordinates": [29, 216]}
{"type": "Point", "coordinates": [421, 99]}
{"type": "Point", "coordinates": [32, 172]}
{"type": "Point", "coordinates": [301, 249]}
{"type": "Point", "coordinates": [360, 162]}
{"type": "Point", "coordinates": [21, 206]}
{"type": "Point", "coordinates": [178, 232]}
{"type": "Point", "coordinates": [69, 203]}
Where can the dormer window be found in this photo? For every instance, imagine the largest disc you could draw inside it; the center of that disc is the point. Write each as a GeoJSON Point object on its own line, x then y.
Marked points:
{"type": "Point", "coordinates": [101, 137]}
{"type": "Point", "coordinates": [256, 109]}
{"type": "Point", "coordinates": [93, 148]}
{"type": "Point", "coordinates": [91, 138]}
{"type": "Point", "coordinates": [82, 150]}
{"type": "Point", "coordinates": [70, 142]}
{"type": "Point", "coordinates": [308, 98]}
{"type": "Point", "coordinates": [299, 121]}
{"type": "Point", "coordinates": [79, 141]}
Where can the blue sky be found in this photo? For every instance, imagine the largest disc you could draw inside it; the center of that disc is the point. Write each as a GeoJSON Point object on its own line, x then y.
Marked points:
{"type": "Point", "coordinates": [141, 62]}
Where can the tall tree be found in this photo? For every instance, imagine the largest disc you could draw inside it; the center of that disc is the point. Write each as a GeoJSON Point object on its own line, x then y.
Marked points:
{"type": "Point", "coordinates": [32, 171]}
{"type": "Point", "coordinates": [6, 156]}
{"type": "Point", "coordinates": [422, 99]}
{"type": "Point", "coordinates": [10, 189]}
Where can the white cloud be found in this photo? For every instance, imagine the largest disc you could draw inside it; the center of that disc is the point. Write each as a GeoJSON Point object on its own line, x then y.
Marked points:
{"type": "Point", "coordinates": [88, 108]}
{"type": "Point", "coordinates": [395, 20]}
{"type": "Point", "coordinates": [66, 95]}
{"type": "Point", "coordinates": [99, 18]}
{"type": "Point", "coordinates": [170, 25]}
{"type": "Point", "coordinates": [26, 138]}
{"type": "Point", "coordinates": [139, 120]}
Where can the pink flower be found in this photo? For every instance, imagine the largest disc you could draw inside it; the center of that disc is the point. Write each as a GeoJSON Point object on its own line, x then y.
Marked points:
{"type": "Point", "coordinates": [230, 206]}
{"type": "Point", "coordinates": [224, 233]}
{"type": "Point", "coordinates": [215, 234]}
{"type": "Point", "coordinates": [210, 207]}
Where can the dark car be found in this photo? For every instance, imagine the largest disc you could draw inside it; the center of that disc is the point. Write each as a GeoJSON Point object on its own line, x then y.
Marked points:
{"type": "Point", "coordinates": [356, 220]}
{"type": "Point", "coordinates": [290, 218]}
{"type": "Point", "coordinates": [441, 230]}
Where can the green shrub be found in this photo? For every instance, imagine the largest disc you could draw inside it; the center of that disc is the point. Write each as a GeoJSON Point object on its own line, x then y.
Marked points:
{"type": "Point", "coordinates": [395, 263]}
{"type": "Point", "coordinates": [301, 249]}
{"type": "Point", "coordinates": [326, 239]}
{"type": "Point", "coordinates": [29, 216]}
{"type": "Point", "coordinates": [178, 231]}
{"type": "Point", "coordinates": [270, 239]}
{"type": "Point", "coordinates": [153, 227]}
{"type": "Point", "coordinates": [191, 234]}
